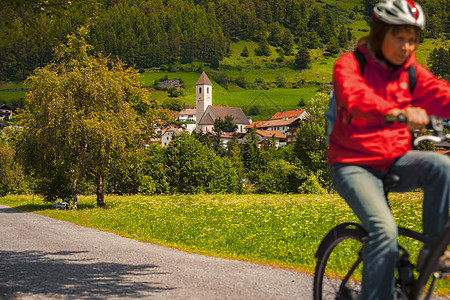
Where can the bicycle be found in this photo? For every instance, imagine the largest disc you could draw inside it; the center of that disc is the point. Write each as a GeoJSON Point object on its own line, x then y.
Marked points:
{"type": "Point", "coordinates": [349, 238]}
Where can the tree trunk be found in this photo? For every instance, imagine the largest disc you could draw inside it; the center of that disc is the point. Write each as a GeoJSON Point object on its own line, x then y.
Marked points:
{"type": "Point", "coordinates": [75, 194]}
{"type": "Point", "coordinates": [100, 195]}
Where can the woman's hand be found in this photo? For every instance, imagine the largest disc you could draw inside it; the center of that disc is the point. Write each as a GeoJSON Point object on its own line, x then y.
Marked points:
{"type": "Point", "coordinates": [417, 117]}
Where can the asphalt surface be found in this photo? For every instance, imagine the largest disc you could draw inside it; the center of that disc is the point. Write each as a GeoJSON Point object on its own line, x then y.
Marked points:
{"type": "Point", "coordinates": [44, 258]}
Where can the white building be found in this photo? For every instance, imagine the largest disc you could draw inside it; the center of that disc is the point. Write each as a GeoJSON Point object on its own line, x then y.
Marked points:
{"type": "Point", "coordinates": [206, 113]}
{"type": "Point", "coordinates": [5, 112]}
{"type": "Point", "coordinates": [187, 115]}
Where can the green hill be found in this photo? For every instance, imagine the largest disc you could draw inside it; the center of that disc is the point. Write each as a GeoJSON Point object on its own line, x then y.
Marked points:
{"type": "Point", "coordinates": [181, 38]}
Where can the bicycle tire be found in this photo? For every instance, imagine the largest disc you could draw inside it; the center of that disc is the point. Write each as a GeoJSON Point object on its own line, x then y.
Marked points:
{"type": "Point", "coordinates": [340, 240]}
{"type": "Point", "coordinates": [421, 285]}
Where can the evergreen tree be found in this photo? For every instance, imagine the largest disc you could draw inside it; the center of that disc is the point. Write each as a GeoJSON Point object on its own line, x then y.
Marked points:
{"type": "Point", "coordinates": [333, 45]}
{"type": "Point", "coordinates": [287, 43]}
{"type": "Point", "coordinates": [439, 62]}
{"type": "Point", "coordinates": [252, 156]}
{"type": "Point", "coordinates": [263, 48]}
{"type": "Point", "coordinates": [235, 156]}
{"type": "Point", "coordinates": [343, 37]}
{"type": "Point", "coordinates": [276, 34]}
{"type": "Point", "coordinates": [302, 58]}
{"type": "Point", "coordinates": [245, 52]}
{"type": "Point", "coordinates": [311, 40]}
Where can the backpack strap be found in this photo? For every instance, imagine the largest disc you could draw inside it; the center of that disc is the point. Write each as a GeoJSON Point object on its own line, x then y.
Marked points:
{"type": "Point", "coordinates": [361, 60]}
{"type": "Point", "coordinates": [412, 76]}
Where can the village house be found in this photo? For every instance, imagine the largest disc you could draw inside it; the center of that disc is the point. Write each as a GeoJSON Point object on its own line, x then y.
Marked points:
{"type": "Point", "coordinates": [187, 115]}
{"type": "Point", "coordinates": [282, 126]}
{"type": "Point", "coordinates": [267, 136]}
{"type": "Point", "coordinates": [284, 122]}
{"type": "Point", "coordinates": [264, 137]}
{"type": "Point", "coordinates": [168, 132]}
{"type": "Point", "coordinates": [5, 113]}
{"type": "Point", "coordinates": [301, 114]}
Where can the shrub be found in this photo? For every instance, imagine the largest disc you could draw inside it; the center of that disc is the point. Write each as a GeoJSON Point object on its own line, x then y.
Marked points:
{"type": "Point", "coordinates": [193, 168]}
{"type": "Point", "coordinates": [311, 186]}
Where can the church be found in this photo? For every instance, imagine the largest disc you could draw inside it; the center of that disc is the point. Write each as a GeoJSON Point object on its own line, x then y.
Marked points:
{"type": "Point", "coordinates": [206, 113]}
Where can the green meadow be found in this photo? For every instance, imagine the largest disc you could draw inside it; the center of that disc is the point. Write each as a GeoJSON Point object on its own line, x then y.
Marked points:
{"type": "Point", "coordinates": [252, 68]}
{"type": "Point", "coordinates": [278, 230]}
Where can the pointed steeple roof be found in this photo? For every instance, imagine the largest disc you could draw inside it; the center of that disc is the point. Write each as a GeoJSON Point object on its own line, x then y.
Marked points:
{"type": "Point", "coordinates": [203, 80]}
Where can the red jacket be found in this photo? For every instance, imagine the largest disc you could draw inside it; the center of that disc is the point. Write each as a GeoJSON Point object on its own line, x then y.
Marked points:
{"type": "Point", "coordinates": [359, 135]}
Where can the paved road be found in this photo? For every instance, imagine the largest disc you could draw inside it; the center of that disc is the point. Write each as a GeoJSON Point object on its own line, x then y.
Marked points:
{"type": "Point", "coordinates": [43, 258]}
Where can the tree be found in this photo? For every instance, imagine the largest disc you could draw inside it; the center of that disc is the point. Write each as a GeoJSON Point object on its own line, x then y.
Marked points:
{"type": "Point", "coordinates": [302, 58]}
{"type": "Point", "coordinates": [11, 175]}
{"type": "Point", "coordinates": [343, 37]}
{"type": "Point", "coordinates": [226, 125]}
{"type": "Point", "coordinates": [288, 43]}
{"type": "Point", "coordinates": [439, 62]}
{"type": "Point", "coordinates": [84, 112]}
{"type": "Point", "coordinates": [310, 143]}
{"type": "Point", "coordinates": [153, 170]}
{"type": "Point", "coordinates": [333, 45]}
{"type": "Point", "coordinates": [263, 48]}
{"type": "Point", "coordinates": [174, 92]}
{"type": "Point", "coordinates": [193, 168]}
{"type": "Point", "coordinates": [245, 52]}
{"type": "Point", "coordinates": [235, 156]}
{"type": "Point", "coordinates": [311, 40]}
{"type": "Point", "coordinates": [252, 155]}
{"type": "Point", "coordinates": [31, 29]}
{"type": "Point", "coordinates": [174, 104]}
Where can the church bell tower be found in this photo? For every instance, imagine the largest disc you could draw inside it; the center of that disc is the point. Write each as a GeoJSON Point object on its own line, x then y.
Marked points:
{"type": "Point", "coordinates": [203, 96]}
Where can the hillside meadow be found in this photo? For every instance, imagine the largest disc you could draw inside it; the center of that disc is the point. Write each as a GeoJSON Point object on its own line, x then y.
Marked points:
{"type": "Point", "coordinates": [251, 68]}
{"type": "Point", "coordinates": [279, 230]}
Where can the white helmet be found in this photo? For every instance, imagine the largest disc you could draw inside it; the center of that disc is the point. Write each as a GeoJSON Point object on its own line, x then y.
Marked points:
{"type": "Point", "coordinates": [400, 12]}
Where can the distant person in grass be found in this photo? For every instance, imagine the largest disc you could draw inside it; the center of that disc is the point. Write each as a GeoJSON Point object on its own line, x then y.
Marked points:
{"type": "Point", "coordinates": [366, 142]}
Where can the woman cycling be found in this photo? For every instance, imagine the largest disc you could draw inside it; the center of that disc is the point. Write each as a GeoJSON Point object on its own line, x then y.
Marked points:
{"type": "Point", "coordinates": [366, 142]}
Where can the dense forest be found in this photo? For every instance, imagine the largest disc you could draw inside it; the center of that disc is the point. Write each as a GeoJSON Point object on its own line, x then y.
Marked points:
{"type": "Point", "coordinates": [158, 33]}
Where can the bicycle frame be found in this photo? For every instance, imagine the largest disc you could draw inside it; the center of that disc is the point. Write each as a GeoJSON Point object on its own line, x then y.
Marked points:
{"type": "Point", "coordinates": [429, 264]}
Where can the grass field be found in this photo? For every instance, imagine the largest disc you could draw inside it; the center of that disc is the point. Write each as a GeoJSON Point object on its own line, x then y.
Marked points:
{"type": "Point", "coordinates": [279, 230]}
{"type": "Point", "coordinates": [252, 68]}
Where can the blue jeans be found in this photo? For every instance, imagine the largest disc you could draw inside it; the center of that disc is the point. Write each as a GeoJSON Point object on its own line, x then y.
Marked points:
{"type": "Point", "coordinates": [362, 189]}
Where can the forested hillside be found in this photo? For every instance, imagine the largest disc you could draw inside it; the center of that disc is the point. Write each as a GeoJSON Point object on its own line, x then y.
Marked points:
{"type": "Point", "coordinates": [156, 33]}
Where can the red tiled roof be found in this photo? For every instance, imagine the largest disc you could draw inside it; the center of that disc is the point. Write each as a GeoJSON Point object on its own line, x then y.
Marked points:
{"type": "Point", "coordinates": [256, 124]}
{"type": "Point", "coordinates": [287, 114]}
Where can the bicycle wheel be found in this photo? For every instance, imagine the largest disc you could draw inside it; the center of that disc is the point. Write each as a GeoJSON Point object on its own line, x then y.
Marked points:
{"type": "Point", "coordinates": [423, 287]}
{"type": "Point", "coordinates": [339, 265]}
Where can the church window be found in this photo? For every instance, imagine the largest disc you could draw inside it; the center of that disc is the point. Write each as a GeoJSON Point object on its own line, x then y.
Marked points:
{"type": "Point", "coordinates": [200, 90]}
{"type": "Point", "coordinates": [207, 90]}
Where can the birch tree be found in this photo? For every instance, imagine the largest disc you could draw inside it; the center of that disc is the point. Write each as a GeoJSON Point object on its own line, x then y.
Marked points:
{"type": "Point", "coordinates": [85, 113]}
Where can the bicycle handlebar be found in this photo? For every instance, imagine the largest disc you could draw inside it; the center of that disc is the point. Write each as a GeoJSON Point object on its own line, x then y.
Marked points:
{"type": "Point", "coordinates": [438, 125]}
